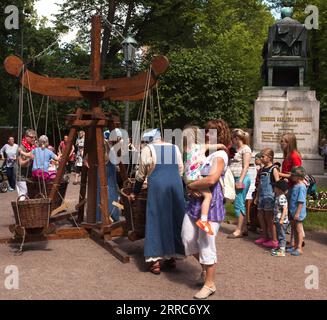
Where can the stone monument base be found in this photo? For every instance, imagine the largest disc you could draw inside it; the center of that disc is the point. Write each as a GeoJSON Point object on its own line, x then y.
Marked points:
{"type": "Point", "coordinates": [289, 110]}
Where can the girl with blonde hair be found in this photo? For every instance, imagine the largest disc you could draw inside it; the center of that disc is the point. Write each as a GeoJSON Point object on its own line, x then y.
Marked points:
{"type": "Point", "coordinates": [239, 166]}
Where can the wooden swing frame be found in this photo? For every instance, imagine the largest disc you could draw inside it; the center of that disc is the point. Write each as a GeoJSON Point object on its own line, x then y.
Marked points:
{"type": "Point", "coordinates": [93, 122]}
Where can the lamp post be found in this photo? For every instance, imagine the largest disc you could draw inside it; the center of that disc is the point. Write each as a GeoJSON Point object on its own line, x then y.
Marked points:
{"type": "Point", "coordinates": [128, 45]}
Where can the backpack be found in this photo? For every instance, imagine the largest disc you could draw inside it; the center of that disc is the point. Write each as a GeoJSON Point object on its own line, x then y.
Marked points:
{"type": "Point", "coordinates": [227, 183]}
{"type": "Point", "coordinates": [270, 172]}
{"type": "Point", "coordinates": [311, 184]}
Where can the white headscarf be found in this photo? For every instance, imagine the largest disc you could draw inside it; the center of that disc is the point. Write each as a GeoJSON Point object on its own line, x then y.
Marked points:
{"type": "Point", "coordinates": [152, 135]}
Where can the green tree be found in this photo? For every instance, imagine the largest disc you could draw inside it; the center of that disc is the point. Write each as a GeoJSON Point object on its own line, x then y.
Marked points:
{"type": "Point", "coordinates": [24, 42]}
{"type": "Point", "coordinates": [160, 24]}
{"type": "Point", "coordinates": [200, 86]}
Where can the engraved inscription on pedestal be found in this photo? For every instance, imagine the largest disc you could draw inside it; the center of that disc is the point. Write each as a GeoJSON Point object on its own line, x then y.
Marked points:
{"type": "Point", "coordinates": [280, 111]}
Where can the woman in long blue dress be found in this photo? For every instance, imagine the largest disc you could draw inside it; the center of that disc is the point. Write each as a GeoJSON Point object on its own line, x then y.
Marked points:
{"type": "Point", "coordinates": [161, 163]}
{"type": "Point", "coordinates": [114, 212]}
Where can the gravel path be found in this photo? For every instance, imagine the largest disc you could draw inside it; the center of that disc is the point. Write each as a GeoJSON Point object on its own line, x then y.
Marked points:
{"type": "Point", "coordinates": [80, 269]}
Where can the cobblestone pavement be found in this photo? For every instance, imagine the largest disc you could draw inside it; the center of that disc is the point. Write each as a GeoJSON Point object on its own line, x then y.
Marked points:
{"type": "Point", "coordinates": [80, 269]}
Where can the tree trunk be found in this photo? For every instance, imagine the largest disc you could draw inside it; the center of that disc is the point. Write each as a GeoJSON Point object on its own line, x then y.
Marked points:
{"type": "Point", "coordinates": [107, 34]}
{"type": "Point", "coordinates": [115, 47]}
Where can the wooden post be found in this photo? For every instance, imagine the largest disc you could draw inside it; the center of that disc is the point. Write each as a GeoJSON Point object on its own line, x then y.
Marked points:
{"type": "Point", "coordinates": [92, 182]}
{"type": "Point", "coordinates": [104, 199]}
{"type": "Point", "coordinates": [65, 157]}
{"type": "Point", "coordinates": [96, 150]}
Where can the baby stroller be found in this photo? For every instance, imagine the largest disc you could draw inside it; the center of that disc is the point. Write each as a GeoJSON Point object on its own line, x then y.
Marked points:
{"type": "Point", "coordinates": [3, 178]}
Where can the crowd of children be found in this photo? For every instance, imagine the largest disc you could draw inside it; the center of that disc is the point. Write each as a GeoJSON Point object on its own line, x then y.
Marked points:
{"type": "Point", "coordinates": [280, 202]}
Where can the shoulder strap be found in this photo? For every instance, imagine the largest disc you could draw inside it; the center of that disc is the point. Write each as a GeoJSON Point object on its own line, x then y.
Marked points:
{"type": "Point", "coordinates": [272, 168]}
{"type": "Point", "coordinates": [272, 178]}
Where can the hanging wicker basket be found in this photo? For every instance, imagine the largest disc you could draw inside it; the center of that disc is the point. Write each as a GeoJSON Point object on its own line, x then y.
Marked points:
{"type": "Point", "coordinates": [33, 187]}
{"type": "Point", "coordinates": [32, 213]}
{"type": "Point", "coordinates": [135, 213]}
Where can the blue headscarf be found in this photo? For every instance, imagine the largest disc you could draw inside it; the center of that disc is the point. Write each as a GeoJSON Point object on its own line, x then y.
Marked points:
{"type": "Point", "coordinates": [106, 134]}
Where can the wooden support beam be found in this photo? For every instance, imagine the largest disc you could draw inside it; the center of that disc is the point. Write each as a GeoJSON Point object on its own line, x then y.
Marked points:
{"type": "Point", "coordinates": [61, 234]}
{"type": "Point", "coordinates": [118, 225]}
{"type": "Point", "coordinates": [89, 123]}
{"type": "Point", "coordinates": [92, 88]}
{"type": "Point", "coordinates": [109, 245]}
{"type": "Point", "coordinates": [63, 216]}
{"type": "Point", "coordinates": [89, 226]}
{"type": "Point", "coordinates": [92, 183]}
{"type": "Point", "coordinates": [114, 249]}
{"type": "Point", "coordinates": [65, 157]}
{"type": "Point", "coordinates": [104, 201]}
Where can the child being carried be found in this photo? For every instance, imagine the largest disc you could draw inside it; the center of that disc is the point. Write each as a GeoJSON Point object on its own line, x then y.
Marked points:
{"type": "Point", "coordinates": [195, 168]}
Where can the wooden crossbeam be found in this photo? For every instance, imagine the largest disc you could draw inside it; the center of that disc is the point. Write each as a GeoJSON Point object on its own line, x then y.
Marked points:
{"type": "Point", "coordinates": [61, 234]}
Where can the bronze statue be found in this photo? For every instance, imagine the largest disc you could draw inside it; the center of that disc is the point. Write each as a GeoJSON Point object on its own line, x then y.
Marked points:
{"type": "Point", "coordinates": [285, 51]}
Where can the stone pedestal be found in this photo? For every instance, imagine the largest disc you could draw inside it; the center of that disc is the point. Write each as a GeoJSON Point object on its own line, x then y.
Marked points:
{"type": "Point", "coordinates": [280, 110]}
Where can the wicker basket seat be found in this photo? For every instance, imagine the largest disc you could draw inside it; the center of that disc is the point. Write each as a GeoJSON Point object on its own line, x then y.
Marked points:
{"type": "Point", "coordinates": [35, 187]}
{"type": "Point", "coordinates": [32, 213]}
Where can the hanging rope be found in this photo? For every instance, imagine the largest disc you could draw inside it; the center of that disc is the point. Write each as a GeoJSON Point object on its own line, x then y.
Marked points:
{"type": "Point", "coordinates": [20, 121]}
{"type": "Point", "coordinates": [53, 130]}
{"type": "Point", "coordinates": [30, 102]}
{"type": "Point", "coordinates": [159, 108]}
{"type": "Point", "coordinates": [46, 116]}
{"type": "Point", "coordinates": [58, 123]}
{"type": "Point", "coordinates": [43, 52]}
{"type": "Point", "coordinates": [38, 118]}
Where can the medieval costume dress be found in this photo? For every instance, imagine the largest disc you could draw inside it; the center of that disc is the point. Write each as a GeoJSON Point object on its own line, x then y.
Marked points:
{"type": "Point", "coordinates": [161, 163]}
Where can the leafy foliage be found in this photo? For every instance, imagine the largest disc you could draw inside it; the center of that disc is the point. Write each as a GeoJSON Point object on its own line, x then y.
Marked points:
{"type": "Point", "coordinates": [200, 86]}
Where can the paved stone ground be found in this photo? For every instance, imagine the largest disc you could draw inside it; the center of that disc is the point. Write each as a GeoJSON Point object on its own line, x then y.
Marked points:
{"type": "Point", "coordinates": [80, 269]}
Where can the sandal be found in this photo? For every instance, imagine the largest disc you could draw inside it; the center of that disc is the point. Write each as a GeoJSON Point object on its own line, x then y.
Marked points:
{"type": "Point", "coordinates": [233, 236]}
{"type": "Point", "coordinates": [205, 292]}
{"type": "Point", "coordinates": [155, 267]}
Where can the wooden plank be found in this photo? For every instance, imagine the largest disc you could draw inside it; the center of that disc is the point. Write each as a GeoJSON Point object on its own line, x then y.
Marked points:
{"type": "Point", "coordinates": [96, 47]}
{"type": "Point", "coordinates": [118, 232]}
{"type": "Point", "coordinates": [92, 88]}
{"type": "Point", "coordinates": [89, 123]}
{"type": "Point", "coordinates": [65, 157]}
{"type": "Point", "coordinates": [110, 246]}
{"type": "Point", "coordinates": [62, 234]}
{"type": "Point", "coordinates": [96, 234]}
{"type": "Point", "coordinates": [68, 89]}
{"type": "Point", "coordinates": [88, 226]}
{"type": "Point", "coordinates": [114, 249]}
{"type": "Point", "coordinates": [104, 198]}
{"type": "Point", "coordinates": [118, 225]}
{"type": "Point", "coordinates": [92, 183]}
{"type": "Point", "coordinates": [63, 216]}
